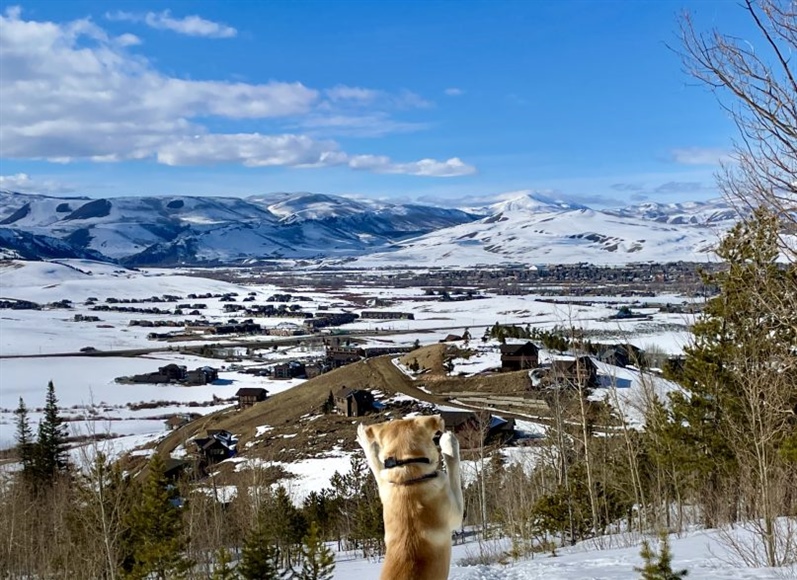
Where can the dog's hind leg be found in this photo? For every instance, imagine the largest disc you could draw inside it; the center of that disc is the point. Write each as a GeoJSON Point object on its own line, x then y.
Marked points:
{"type": "Point", "coordinates": [450, 448]}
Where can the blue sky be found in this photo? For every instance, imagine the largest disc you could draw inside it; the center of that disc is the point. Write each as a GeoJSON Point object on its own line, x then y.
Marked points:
{"type": "Point", "coordinates": [446, 102]}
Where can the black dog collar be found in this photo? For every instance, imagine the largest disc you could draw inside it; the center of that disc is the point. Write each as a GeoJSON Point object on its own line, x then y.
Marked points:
{"type": "Point", "coordinates": [417, 479]}
{"type": "Point", "coordinates": [392, 462]}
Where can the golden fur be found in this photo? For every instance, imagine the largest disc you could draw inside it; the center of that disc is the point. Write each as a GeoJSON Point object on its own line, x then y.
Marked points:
{"type": "Point", "coordinates": [419, 514]}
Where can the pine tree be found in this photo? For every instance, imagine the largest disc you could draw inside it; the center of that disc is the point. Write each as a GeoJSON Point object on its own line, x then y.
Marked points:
{"type": "Point", "coordinates": [318, 561]}
{"type": "Point", "coordinates": [222, 570]}
{"type": "Point", "coordinates": [259, 555]}
{"type": "Point", "coordinates": [24, 438]}
{"type": "Point", "coordinates": [735, 418]}
{"type": "Point", "coordinates": [658, 567]}
{"type": "Point", "coordinates": [50, 453]}
{"type": "Point", "coordinates": [156, 531]}
{"type": "Point", "coordinates": [286, 524]}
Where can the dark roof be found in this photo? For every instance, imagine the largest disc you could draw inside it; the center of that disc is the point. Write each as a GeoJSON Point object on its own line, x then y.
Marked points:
{"type": "Point", "coordinates": [250, 392]}
{"type": "Point", "coordinates": [347, 392]}
{"type": "Point", "coordinates": [457, 418]}
{"type": "Point", "coordinates": [511, 349]}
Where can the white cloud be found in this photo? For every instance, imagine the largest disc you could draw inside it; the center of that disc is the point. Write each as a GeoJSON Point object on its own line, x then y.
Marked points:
{"type": "Point", "coordinates": [252, 150]}
{"type": "Point", "coordinates": [358, 94]}
{"type": "Point", "coordinates": [70, 91]}
{"type": "Point", "coordinates": [188, 25]}
{"type": "Point", "coordinates": [23, 183]}
{"type": "Point", "coordinates": [453, 167]}
{"type": "Point", "coordinates": [454, 92]}
{"type": "Point", "coordinates": [255, 150]}
{"type": "Point", "coordinates": [127, 39]}
{"type": "Point", "coordinates": [701, 156]}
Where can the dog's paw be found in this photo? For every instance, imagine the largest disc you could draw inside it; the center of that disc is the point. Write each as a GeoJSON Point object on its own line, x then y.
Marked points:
{"type": "Point", "coordinates": [362, 437]}
{"type": "Point", "coordinates": [449, 444]}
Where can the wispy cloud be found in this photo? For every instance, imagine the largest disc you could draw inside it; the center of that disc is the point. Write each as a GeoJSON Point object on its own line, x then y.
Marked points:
{"type": "Point", "coordinates": [23, 183]}
{"type": "Point", "coordinates": [454, 92]}
{"type": "Point", "coordinates": [188, 25]}
{"type": "Point", "coordinates": [120, 107]}
{"type": "Point", "coordinates": [701, 156]}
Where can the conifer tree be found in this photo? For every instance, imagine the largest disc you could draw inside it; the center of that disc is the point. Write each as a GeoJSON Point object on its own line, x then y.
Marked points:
{"type": "Point", "coordinates": [259, 554]}
{"type": "Point", "coordinates": [286, 524]}
{"type": "Point", "coordinates": [50, 454]}
{"type": "Point", "coordinates": [658, 566]}
{"type": "Point", "coordinates": [222, 569]}
{"type": "Point", "coordinates": [318, 561]}
{"type": "Point", "coordinates": [735, 422]}
{"type": "Point", "coordinates": [156, 532]}
{"type": "Point", "coordinates": [24, 438]}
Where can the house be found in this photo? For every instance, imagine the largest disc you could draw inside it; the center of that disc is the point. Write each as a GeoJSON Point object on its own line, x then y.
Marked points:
{"type": "Point", "coordinates": [287, 329]}
{"type": "Point", "coordinates": [517, 357]}
{"type": "Point", "coordinates": [621, 355]}
{"type": "Point", "coordinates": [386, 315]}
{"type": "Point", "coordinates": [354, 402]}
{"type": "Point", "coordinates": [579, 372]}
{"type": "Point", "coordinates": [174, 469]}
{"type": "Point", "coordinates": [313, 370]}
{"type": "Point", "coordinates": [338, 356]}
{"type": "Point", "coordinates": [289, 370]}
{"type": "Point", "coordinates": [248, 396]}
{"type": "Point", "coordinates": [201, 376]}
{"type": "Point", "coordinates": [330, 319]}
{"type": "Point", "coordinates": [172, 372]}
{"type": "Point", "coordinates": [218, 445]}
{"type": "Point", "coordinates": [460, 421]}
{"type": "Point", "coordinates": [476, 429]}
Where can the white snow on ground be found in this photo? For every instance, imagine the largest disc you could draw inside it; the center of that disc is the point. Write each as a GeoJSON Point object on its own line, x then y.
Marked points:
{"type": "Point", "coordinates": [702, 553]}
{"type": "Point", "coordinates": [309, 474]}
{"type": "Point", "coordinates": [628, 390]}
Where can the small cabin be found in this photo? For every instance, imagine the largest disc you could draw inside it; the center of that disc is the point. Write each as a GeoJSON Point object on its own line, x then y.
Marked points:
{"type": "Point", "coordinates": [354, 402]}
{"type": "Point", "coordinates": [579, 372]}
{"type": "Point", "coordinates": [248, 396]}
{"type": "Point", "coordinates": [518, 357]}
{"type": "Point", "coordinates": [621, 355]}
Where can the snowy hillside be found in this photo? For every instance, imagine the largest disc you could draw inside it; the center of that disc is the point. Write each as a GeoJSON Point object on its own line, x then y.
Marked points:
{"type": "Point", "coordinates": [525, 231]}
{"type": "Point", "coordinates": [175, 230]}
{"type": "Point", "coordinates": [526, 228]}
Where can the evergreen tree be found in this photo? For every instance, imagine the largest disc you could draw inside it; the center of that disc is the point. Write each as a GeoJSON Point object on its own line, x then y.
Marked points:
{"type": "Point", "coordinates": [50, 454]}
{"type": "Point", "coordinates": [24, 438]}
{"type": "Point", "coordinates": [658, 567]}
{"type": "Point", "coordinates": [259, 554]}
{"type": "Point", "coordinates": [329, 404]}
{"type": "Point", "coordinates": [156, 531]}
{"type": "Point", "coordinates": [318, 561]}
{"type": "Point", "coordinates": [286, 524]}
{"type": "Point", "coordinates": [222, 569]}
{"type": "Point", "coordinates": [735, 415]}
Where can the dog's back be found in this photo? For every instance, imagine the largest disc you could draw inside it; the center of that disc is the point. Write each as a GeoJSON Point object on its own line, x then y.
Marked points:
{"type": "Point", "coordinates": [417, 534]}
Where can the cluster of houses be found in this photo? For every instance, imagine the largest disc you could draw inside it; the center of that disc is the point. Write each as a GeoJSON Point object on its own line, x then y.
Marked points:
{"type": "Point", "coordinates": [15, 304]}
{"type": "Point", "coordinates": [579, 371]}
{"type": "Point", "coordinates": [174, 373]}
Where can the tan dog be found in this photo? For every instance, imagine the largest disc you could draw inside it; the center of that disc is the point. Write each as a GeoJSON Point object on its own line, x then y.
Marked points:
{"type": "Point", "coordinates": [421, 505]}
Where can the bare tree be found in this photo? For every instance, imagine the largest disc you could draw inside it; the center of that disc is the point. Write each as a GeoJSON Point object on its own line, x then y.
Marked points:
{"type": "Point", "coordinates": [755, 81]}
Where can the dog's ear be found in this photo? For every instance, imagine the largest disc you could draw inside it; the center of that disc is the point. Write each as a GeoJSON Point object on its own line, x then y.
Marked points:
{"type": "Point", "coordinates": [434, 424]}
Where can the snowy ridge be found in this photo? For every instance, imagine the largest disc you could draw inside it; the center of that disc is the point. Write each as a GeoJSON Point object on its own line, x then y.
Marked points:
{"type": "Point", "coordinates": [173, 230]}
{"type": "Point", "coordinates": [527, 233]}
{"type": "Point", "coordinates": [526, 228]}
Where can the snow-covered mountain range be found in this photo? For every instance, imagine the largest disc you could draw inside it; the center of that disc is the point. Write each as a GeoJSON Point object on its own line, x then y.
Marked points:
{"type": "Point", "coordinates": [178, 230]}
